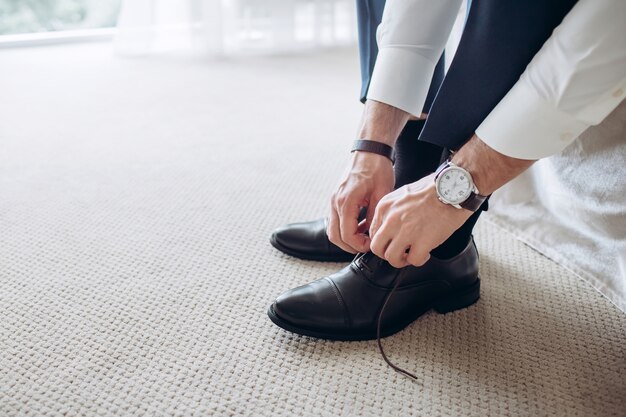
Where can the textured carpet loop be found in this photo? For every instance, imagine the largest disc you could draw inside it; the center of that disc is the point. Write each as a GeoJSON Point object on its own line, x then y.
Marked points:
{"type": "Point", "coordinates": [135, 270]}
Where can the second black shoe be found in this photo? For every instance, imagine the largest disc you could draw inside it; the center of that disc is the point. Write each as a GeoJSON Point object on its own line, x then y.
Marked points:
{"type": "Point", "coordinates": [308, 240]}
{"type": "Point", "coordinates": [346, 305]}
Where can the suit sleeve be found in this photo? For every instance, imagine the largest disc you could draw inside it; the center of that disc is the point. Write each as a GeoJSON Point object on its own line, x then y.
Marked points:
{"type": "Point", "coordinates": [575, 80]}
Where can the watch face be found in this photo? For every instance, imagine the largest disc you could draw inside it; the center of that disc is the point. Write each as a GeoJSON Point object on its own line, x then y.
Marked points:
{"type": "Point", "coordinates": [454, 185]}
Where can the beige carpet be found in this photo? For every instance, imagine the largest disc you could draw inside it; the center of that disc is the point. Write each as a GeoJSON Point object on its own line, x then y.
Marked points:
{"type": "Point", "coordinates": [136, 199]}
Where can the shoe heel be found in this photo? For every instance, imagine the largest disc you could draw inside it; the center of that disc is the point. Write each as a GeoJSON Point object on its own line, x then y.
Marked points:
{"type": "Point", "coordinates": [459, 299]}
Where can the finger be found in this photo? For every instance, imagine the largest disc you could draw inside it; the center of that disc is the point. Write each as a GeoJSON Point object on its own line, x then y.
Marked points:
{"type": "Point", "coordinates": [380, 218]}
{"type": "Point", "coordinates": [349, 225]}
{"type": "Point", "coordinates": [363, 230]}
{"type": "Point", "coordinates": [371, 208]}
{"type": "Point", "coordinates": [376, 221]}
{"type": "Point", "coordinates": [396, 254]}
{"type": "Point", "coordinates": [363, 227]}
{"type": "Point", "coordinates": [380, 242]}
{"type": "Point", "coordinates": [373, 229]}
{"type": "Point", "coordinates": [333, 232]}
{"type": "Point", "coordinates": [417, 256]}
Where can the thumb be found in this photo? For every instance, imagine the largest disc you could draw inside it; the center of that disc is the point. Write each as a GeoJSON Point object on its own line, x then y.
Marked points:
{"type": "Point", "coordinates": [371, 210]}
{"type": "Point", "coordinates": [364, 225]}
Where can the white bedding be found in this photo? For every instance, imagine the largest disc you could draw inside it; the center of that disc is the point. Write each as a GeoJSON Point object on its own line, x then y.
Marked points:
{"type": "Point", "coordinates": [572, 207]}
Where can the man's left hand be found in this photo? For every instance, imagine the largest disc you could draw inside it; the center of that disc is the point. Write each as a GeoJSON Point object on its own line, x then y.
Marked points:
{"type": "Point", "coordinates": [411, 221]}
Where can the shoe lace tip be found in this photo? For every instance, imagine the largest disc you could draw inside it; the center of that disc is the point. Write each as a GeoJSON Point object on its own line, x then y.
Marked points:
{"type": "Point", "coordinates": [396, 368]}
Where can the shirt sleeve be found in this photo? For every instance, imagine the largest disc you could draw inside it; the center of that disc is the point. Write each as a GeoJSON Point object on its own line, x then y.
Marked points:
{"type": "Point", "coordinates": [575, 80]}
{"type": "Point", "coordinates": [411, 39]}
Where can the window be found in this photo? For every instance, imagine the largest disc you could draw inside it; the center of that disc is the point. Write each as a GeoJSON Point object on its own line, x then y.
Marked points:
{"type": "Point", "coordinates": [29, 16]}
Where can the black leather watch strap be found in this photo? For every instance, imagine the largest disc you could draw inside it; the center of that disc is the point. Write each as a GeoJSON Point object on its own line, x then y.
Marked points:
{"type": "Point", "coordinates": [374, 147]}
{"type": "Point", "coordinates": [473, 202]}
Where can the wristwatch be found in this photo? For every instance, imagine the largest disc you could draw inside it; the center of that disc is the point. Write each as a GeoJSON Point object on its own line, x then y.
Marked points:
{"type": "Point", "coordinates": [455, 186]}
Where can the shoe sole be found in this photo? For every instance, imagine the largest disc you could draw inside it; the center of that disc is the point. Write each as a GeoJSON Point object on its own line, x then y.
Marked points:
{"type": "Point", "coordinates": [451, 302]}
{"type": "Point", "coordinates": [308, 256]}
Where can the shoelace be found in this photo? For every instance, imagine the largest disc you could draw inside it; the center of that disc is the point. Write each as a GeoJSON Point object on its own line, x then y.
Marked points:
{"type": "Point", "coordinates": [378, 340]}
{"type": "Point", "coordinates": [393, 366]}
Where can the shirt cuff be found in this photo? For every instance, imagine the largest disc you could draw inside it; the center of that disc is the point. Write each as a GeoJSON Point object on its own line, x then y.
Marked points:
{"type": "Point", "coordinates": [525, 126]}
{"type": "Point", "coordinates": [401, 79]}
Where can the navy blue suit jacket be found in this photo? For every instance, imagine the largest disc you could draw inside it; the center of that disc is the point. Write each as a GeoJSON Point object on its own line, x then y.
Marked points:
{"type": "Point", "coordinates": [499, 40]}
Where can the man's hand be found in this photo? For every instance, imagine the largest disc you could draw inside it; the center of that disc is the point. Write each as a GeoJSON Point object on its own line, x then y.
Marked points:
{"type": "Point", "coordinates": [411, 221]}
{"type": "Point", "coordinates": [368, 179]}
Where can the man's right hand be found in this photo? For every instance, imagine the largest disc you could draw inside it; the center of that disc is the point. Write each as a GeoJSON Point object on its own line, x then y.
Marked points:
{"type": "Point", "coordinates": [368, 179]}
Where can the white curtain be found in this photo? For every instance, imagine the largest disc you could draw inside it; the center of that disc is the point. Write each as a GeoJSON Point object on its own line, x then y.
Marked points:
{"type": "Point", "coordinates": [231, 27]}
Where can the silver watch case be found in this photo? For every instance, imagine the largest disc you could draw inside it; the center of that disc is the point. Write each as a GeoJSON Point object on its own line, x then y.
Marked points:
{"type": "Point", "coordinates": [453, 166]}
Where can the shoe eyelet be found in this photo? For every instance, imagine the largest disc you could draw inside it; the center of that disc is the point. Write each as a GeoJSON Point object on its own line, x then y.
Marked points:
{"type": "Point", "coordinates": [363, 266]}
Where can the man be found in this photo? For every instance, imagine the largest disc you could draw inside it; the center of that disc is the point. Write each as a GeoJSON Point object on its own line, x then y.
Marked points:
{"type": "Point", "coordinates": [527, 79]}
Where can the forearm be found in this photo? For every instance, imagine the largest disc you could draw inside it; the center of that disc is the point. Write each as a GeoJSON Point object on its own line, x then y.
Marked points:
{"type": "Point", "coordinates": [382, 122]}
{"type": "Point", "coordinates": [490, 169]}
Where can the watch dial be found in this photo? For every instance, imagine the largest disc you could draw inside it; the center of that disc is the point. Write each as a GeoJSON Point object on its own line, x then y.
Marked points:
{"type": "Point", "coordinates": [454, 186]}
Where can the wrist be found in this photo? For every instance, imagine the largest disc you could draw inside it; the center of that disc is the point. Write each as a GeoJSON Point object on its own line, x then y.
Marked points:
{"type": "Point", "coordinates": [378, 136]}
{"type": "Point", "coordinates": [375, 147]}
{"type": "Point", "coordinates": [489, 169]}
{"type": "Point", "coordinates": [479, 172]}
{"type": "Point", "coordinates": [362, 158]}
{"type": "Point", "coordinates": [382, 122]}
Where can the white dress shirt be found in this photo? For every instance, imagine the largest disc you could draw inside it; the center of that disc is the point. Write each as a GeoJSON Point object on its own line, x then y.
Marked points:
{"type": "Point", "coordinates": [575, 80]}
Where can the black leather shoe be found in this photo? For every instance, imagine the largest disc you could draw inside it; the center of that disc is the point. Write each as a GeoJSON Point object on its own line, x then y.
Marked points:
{"type": "Point", "coordinates": [346, 305]}
{"type": "Point", "coordinates": [309, 241]}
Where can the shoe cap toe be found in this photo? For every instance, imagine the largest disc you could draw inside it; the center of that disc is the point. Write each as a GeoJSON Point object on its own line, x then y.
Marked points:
{"type": "Point", "coordinates": [313, 306]}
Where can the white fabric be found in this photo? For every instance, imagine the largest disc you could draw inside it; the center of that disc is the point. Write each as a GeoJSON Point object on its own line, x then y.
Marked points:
{"type": "Point", "coordinates": [411, 39]}
{"type": "Point", "coordinates": [233, 27]}
{"type": "Point", "coordinates": [537, 129]}
{"type": "Point", "coordinates": [574, 81]}
{"type": "Point", "coordinates": [571, 206]}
